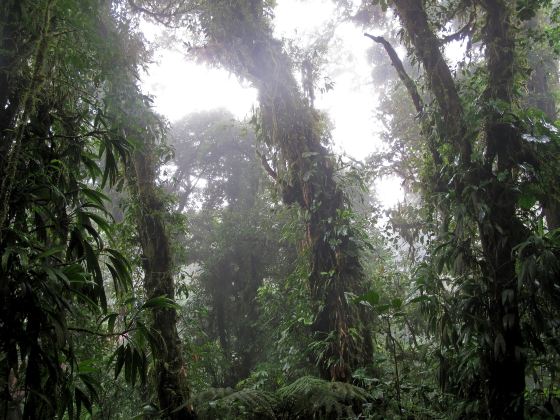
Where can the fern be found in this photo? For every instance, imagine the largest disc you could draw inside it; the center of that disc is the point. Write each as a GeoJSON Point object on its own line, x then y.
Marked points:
{"type": "Point", "coordinates": [306, 398]}
{"type": "Point", "coordinates": [313, 398]}
{"type": "Point", "coordinates": [224, 403]}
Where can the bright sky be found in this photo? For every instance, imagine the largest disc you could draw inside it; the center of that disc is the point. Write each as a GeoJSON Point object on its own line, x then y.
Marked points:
{"type": "Point", "coordinates": [180, 87]}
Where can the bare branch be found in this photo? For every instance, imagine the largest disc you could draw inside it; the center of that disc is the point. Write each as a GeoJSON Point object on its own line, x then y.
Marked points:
{"type": "Point", "coordinates": [403, 75]}
{"type": "Point", "coordinates": [412, 91]}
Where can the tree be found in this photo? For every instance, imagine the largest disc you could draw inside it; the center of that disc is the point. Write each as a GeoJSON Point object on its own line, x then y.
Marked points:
{"type": "Point", "coordinates": [240, 39]}
{"type": "Point", "coordinates": [53, 223]}
{"type": "Point", "coordinates": [63, 142]}
{"type": "Point", "coordinates": [480, 157]}
{"type": "Point", "coordinates": [230, 238]}
{"type": "Point", "coordinates": [170, 369]}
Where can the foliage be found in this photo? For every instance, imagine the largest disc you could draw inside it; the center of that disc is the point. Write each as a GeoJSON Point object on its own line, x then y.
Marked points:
{"type": "Point", "coordinates": [306, 398]}
{"type": "Point", "coordinates": [313, 398]}
{"type": "Point", "coordinates": [451, 312]}
{"type": "Point", "coordinates": [243, 404]}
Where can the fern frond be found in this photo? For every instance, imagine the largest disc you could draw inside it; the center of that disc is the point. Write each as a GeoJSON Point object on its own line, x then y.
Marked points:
{"type": "Point", "coordinates": [313, 398]}
{"type": "Point", "coordinates": [224, 403]}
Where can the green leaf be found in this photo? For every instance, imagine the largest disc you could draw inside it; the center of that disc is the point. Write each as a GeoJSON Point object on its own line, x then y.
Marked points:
{"type": "Point", "coordinates": [5, 257]}
{"type": "Point", "coordinates": [94, 196]}
{"type": "Point", "coordinates": [526, 201]}
{"type": "Point", "coordinates": [421, 298]}
{"type": "Point", "coordinates": [81, 398]}
{"type": "Point", "coordinates": [371, 297]}
{"type": "Point", "coordinates": [51, 251]}
{"type": "Point", "coordinates": [120, 356]}
{"type": "Point", "coordinates": [128, 364]}
{"type": "Point", "coordinates": [160, 302]}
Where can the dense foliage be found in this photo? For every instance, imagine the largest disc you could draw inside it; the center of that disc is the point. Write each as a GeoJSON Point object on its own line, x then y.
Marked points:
{"type": "Point", "coordinates": [218, 268]}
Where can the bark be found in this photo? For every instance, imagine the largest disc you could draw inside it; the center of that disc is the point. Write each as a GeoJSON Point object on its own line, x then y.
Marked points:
{"type": "Point", "coordinates": [10, 18]}
{"type": "Point", "coordinates": [170, 369]}
{"type": "Point", "coordinates": [551, 209]}
{"type": "Point", "coordinates": [241, 40]}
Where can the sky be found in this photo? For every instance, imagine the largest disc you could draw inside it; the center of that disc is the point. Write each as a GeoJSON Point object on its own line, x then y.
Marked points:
{"type": "Point", "coordinates": [180, 87]}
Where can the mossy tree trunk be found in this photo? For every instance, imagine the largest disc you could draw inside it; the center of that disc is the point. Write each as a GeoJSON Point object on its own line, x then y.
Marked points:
{"type": "Point", "coordinates": [170, 370]}
{"type": "Point", "coordinates": [500, 230]}
{"type": "Point", "coordinates": [241, 40]}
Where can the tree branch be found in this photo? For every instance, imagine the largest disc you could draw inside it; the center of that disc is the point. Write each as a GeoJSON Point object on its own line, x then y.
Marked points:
{"type": "Point", "coordinates": [403, 75]}
{"type": "Point", "coordinates": [461, 33]}
{"type": "Point", "coordinates": [168, 15]}
{"type": "Point", "coordinates": [415, 21]}
{"type": "Point", "coordinates": [100, 334]}
{"type": "Point", "coordinates": [267, 166]}
{"type": "Point", "coordinates": [411, 88]}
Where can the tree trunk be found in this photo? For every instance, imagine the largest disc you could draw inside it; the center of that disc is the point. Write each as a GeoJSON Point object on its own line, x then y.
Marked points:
{"type": "Point", "coordinates": [170, 370]}
{"type": "Point", "coordinates": [240, 38]}
{"type": "Point", "coordinates": [500, 230]}
{"type": "Point", "coordinates": [503, 232]}
{"type": "Point", "coordinates": [427, 47]}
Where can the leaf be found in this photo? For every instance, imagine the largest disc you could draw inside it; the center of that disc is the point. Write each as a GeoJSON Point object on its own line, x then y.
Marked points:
{"type": "Point", "coordinates": [160, 302]}
{"type": "Point", "coordinates": [396, 303]}
{"type": "Point", "coordinates": [120, 356]}
{"type": "Point", "coordinates": [5, 257]}
{"type": "Point", "coordinates": [507, 296]}
{"type": "Point", "coordinates": [81, 398]}
{"type": "Point", "coordinates": [156, 346]}
{"type": "Point", "coordinates": [51, 251]}
{"type": "Point", "coordinates": [526, 201]}
{"type": "Point", "coordinates": [421, 298]}
{"type": "Point", "coordinates": [101, 222]}
{"type": "Point", "coordinates": [371, 297]}
{"type": "Point", "coordinates": [110, 167]}
{"type": "Point", "coordinates": [499, 345]}
{"type": "Point", "coordinates": [94, 196]}
{"type": "Point", "coordinates": [111, 319]}
{"type": "Point", "coordinates": [508, 321]}
{"type": "Point", "coordinates": [128, 361]}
